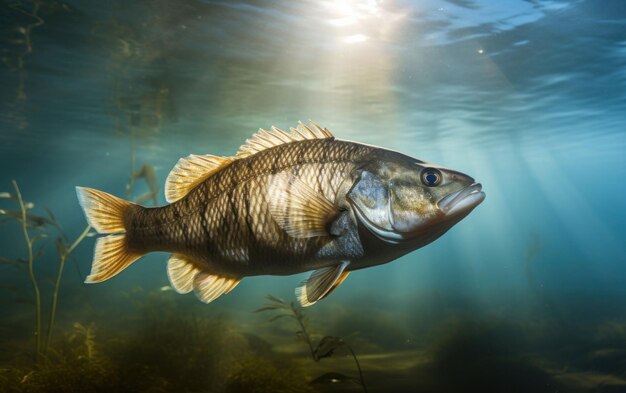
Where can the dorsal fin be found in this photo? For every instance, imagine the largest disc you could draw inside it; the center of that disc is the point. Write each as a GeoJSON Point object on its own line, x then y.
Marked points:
{"type": "Point", "coordinates": [265, 139]}
{"type": "Point", "coordinates": [191, 171]}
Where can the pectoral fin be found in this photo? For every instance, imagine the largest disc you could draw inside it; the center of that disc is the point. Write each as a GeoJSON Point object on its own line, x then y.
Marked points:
{"type": "Point", "coordinates": [299, 209]}
{"type": "Point", "coordinates": [337, 283]}
{"type": "Point", "coordinates": [321, 283]}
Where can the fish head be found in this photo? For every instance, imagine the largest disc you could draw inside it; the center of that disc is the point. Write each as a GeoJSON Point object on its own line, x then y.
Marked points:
{"type": "Point", "coordinates": [405, 199]}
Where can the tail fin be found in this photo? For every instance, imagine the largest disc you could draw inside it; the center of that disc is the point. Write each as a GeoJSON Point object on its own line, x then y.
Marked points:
{"type": "Point", "coordinates": [105, 213]}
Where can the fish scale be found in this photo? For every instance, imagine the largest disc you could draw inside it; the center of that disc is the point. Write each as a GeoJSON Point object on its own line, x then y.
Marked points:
{"type": "Point", "coordinates": [288, 202]}
{"type": "Point", "coordinates": [239, 193]}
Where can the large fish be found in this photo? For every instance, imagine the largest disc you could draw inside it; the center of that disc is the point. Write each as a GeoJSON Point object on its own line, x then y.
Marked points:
{"type": "Point", "coordinates": [286, 203]}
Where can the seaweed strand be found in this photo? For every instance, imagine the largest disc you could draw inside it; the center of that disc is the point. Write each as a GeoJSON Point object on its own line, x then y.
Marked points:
{"type": "Point", "coordinates": [307, 337]}
{"type": "Point", "coordinates": [358, 366]}
{"type": "Point", "coordinates": [325, 347]}
{"type": "Point", "coordinates": [63, 254]}
{"type": "Point", "coordinates": [31, 272]}
{"type": "Point", "coordinates": [28, 45]}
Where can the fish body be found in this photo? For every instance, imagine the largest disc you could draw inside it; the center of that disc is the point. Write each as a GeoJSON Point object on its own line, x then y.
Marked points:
{"type": "Point", "coordinates": [289, 202]}
{"type": "Point", "coordinates": [226, 223]}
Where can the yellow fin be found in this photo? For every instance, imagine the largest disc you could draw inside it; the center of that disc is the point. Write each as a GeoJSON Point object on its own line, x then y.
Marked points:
{"type": "Point", "coordinates": [104, 212]}
{"type": "Point", "coordinates": [337, 283]}
{"type": "Point", "coordinates": [320, 283]}
{"type": "Point", "coordinates": [189, 172]}
{"type": "Point", "coordinates": [181, 273]}
{"type": "Point", "coordinates": [298, 209]}
{"type": "Point", "coordinates": [209, 287]}
{"type": "Point", "coordinates": [110, 258]}
{"type": "Point", "coordinates": [265, 139]}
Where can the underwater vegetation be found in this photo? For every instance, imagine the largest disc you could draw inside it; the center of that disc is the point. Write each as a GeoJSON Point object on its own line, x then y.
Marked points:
{"type": "Point", "coordinates": [21, 42]}
{"type": "Point", "coordinates": [261, 375]}
{"type": "Point", "coordinates": [146, 350]}
{"type": "Point", "coordinates": [527, 295]}
{"type": "Point", "coordinates": [34, 229]}
{"type": "Point", "coordinates": [153, 341]}
{"type": "Point", "coordinates": [147, 173]}
{"type": "Point", "coordinates": [324, 348]}
{"type": "Point", "coordinates": [153, 347]}
{"type": "Point", "coordinates": [24, 40]}
{"type": "Point", "coordinates": [159, 342]}
{"type": "Point", "coordinates": [26, 17]}
{"type": "Point", "coordinates": [139, 103]}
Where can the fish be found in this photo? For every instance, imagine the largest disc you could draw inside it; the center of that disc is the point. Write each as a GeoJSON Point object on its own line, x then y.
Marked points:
{"type": "Point", "coordinates": [287, 202]}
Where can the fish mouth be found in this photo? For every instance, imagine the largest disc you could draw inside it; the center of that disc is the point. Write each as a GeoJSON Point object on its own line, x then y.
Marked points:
{"type": "Point", "coordinates": [462, 201]}
{"type": "Point", "coordinates": [454, 205]}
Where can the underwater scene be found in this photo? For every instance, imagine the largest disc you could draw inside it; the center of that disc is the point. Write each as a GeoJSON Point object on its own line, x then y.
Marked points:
{"type": "Point", "coordinates": [463, 161]}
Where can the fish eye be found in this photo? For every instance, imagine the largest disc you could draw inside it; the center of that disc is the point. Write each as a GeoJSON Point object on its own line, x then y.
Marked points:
{"type": "Point", "coordinates": [431, 177]}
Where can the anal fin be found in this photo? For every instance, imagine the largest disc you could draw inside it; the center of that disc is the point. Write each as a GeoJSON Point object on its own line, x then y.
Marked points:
{"type": "Point", "coordinates": [209, 287]}
{"type": "Point", "coordinates": [181, 273]}
{"type": "Point", "coordinates": [321, 283]}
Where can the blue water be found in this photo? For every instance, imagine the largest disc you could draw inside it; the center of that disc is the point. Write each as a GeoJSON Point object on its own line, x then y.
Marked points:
{"type": "Point", "coordinates": [526, 293]}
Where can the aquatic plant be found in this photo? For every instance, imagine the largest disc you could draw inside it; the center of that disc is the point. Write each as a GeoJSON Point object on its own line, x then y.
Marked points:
{"type": "Point", "coordinates": [152, 345]}
{"type": "Point", "coordinates": [324, 348]}
{"type": "Point", "coordinates": [261, 375]}
{"type": "Point", "coordinates": [148, 174]}
{"type": "Point", "coordinates": [64, 251]}
{"type": "Point", "coordinates": [30, 241]}
{"type": "Point", "coordinates": [26, 40]}
{"type": "Point", "coordinates": [139, 106]}
{"type": "Point", "coordinates": [20, 19]}
{"type": "Point", "coordinates": [292, 311]}
{"type": "Point", "coordinates": [158, 344]}
{"type": "Point", "coordinates": [74, 365]}
{"type": "Point", "coordinates": [86, 335]}
{"type": "Point", "coordinates": [387, 329]}
{"type": "Point", "coordinates": [29, 222]}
